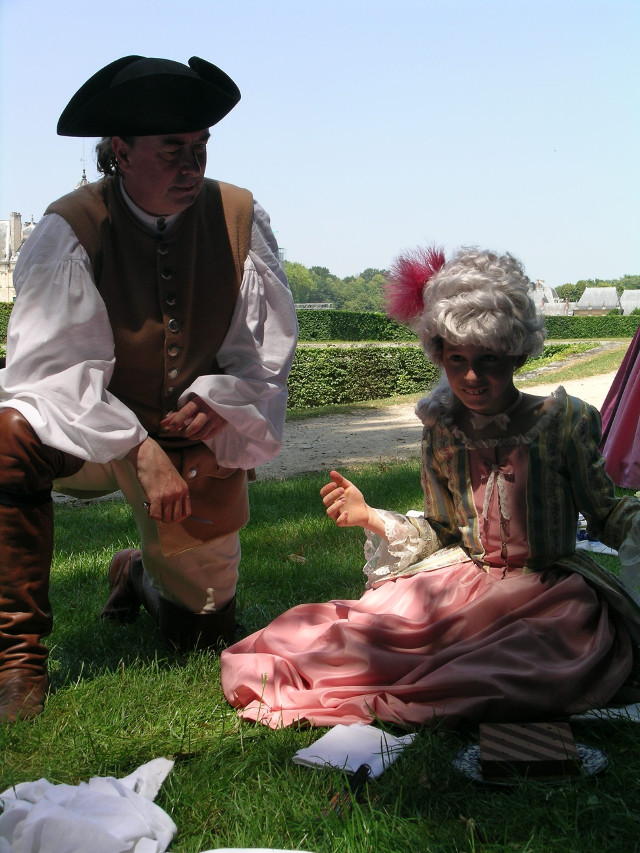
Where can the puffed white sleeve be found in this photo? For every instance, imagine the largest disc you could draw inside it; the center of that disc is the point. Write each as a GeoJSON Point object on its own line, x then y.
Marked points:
{"type": "Point", "coordinates": [255, 357]}
{"type": "Point", "coordinates": [60, 351]}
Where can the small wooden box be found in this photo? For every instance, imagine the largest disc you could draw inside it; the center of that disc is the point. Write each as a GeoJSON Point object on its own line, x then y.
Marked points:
{"type": "Point", "coordinates": [534, 750]}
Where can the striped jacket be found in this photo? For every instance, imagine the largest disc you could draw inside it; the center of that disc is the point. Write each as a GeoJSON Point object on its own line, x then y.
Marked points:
{"type": "Point", "coordinates": [565, 476]}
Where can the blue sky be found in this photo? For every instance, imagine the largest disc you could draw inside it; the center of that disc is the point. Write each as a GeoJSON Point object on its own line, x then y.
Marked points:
{"type": "Point", "coordinates": [367, 127]}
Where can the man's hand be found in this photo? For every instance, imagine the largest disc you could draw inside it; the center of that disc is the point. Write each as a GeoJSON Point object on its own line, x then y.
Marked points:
{"type": "Point", "coordinates": [195, 420]}
{"type": "Point", "coordinates": [166, 491]}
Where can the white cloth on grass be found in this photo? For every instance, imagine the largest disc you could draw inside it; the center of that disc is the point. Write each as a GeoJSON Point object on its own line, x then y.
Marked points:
{"type": "Point", "coordinates": [348, 747]}
{"type": "Point", "coordinates": [631, 713]}
{"type": "Point", "coordinates": [103, 815]}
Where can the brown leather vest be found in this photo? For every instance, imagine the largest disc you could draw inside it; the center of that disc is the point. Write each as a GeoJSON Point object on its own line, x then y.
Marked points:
{"type": "Point", "coordinates": [170, 301]}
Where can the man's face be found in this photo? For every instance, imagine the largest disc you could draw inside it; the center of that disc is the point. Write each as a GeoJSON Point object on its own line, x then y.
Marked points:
{"type": "Point", "coordinates": [163, 174]}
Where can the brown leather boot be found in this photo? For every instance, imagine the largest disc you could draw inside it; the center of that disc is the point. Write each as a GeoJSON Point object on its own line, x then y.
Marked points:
{"type": "Point", "coordinates": [130, 588]}
{"type": "Point", "coordinates": [123, 604]}
{"type": "Point", "coordinates": [183, 630]}
{"type": "Point", "coordinates": [25, 613]}
{"type": "Point", "coordinates": [27, 470]}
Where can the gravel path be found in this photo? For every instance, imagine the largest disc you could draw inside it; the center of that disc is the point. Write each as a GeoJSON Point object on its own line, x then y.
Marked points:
{"type": "Point", "coordinates": [387, 433]}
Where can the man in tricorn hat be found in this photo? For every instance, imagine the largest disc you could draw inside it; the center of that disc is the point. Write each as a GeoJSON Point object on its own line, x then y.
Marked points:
{"type": "Point", "coordinates": [148, 351]}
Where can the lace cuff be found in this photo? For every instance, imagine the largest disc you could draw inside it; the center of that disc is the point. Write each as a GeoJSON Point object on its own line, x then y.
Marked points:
{"type": "Point", "coordinates": [409, 538]}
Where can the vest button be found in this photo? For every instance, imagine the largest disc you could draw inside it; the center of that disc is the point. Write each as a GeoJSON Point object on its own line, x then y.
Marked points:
{"type": "Point", "coordinates": [173, 325]}
{"type": "Point", "coordinates": [171, 299]}
{"type": "Point", "coordinates": [163, 249]}
{"type": "Point", "coordinates": [169, 391]}
{"type": "Point", "coordinates": [173, 373]}
{"type": "Point", "coordinates": [192, 472]}
{"type": "Point", "coordinates": [167, 273]}
{"type": "Point", "coordinates": [173, 350]}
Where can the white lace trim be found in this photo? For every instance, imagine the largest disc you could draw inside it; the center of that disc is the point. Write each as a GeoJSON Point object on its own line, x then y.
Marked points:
{"type": "Point", "coordinates": [409, 538]}
{"type": "Point", "coordinates": [559, 397]}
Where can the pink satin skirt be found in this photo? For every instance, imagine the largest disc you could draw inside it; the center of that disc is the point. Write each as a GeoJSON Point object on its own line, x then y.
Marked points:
{"type": "Point", "coordinates": [456, 644]}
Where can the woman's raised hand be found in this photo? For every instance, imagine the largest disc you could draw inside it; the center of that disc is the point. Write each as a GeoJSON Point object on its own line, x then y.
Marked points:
{"type": "Point", "coordinates": [345, 503]}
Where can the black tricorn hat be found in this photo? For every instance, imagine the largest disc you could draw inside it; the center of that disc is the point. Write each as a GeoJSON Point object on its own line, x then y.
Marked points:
{"type": "Point", "coordinates": [143, 96]}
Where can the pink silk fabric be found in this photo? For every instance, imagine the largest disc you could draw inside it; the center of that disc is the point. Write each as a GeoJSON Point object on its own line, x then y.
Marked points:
{"type": "Point", "coordinates": [620, 412]}
{"type": "Point", "coordinates": [455, 643]}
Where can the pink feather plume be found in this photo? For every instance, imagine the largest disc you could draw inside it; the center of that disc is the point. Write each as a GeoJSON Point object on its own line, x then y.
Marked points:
{"type": "Point", "coordinates": [408, 276]}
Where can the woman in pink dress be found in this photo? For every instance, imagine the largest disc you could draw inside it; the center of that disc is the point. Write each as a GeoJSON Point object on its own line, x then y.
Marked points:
{"type": "Point", "coordinates": [479, 608]}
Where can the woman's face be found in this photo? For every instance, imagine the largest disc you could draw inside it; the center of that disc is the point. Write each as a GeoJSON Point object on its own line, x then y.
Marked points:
{"type": "Point", "coordinates": [480, 378]}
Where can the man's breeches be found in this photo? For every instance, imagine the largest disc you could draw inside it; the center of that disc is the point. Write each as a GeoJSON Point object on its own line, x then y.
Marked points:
{"type": "Point", "coordinates": [202, 579]}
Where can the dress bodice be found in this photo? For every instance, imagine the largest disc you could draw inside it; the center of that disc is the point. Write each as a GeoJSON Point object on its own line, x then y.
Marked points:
{"type": "Point", "coordinates": [499, 485]}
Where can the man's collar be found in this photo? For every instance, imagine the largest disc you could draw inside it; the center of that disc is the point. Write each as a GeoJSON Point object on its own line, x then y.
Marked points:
{"type": "Point", "coordinates": [155, 224]}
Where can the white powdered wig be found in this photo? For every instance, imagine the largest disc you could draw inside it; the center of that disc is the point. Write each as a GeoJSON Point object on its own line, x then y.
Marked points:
{"type": "Point", "coordinates": [478, 298]}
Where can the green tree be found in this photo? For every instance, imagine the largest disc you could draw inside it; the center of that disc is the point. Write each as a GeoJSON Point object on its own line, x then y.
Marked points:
{"type": "Point", "coordinates": [302, 283]}
{"type": "Point", "coordinates": [367, 294]}
{"type": "Point", "coordinates": [325, 283]}
{"type": "Point", "coordinates": [343, 290]}
{"type": "Point", "coordinates": [572, 292]}
{"type": "Point", "coordinates": [628, 282]}
{"type": "Point", "coordinates": [371, 273]}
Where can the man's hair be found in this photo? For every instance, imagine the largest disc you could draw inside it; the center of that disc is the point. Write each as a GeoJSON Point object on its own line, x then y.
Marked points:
{"type": "Point", "coordinates": [480, 298]}
{"type": "Point", "coordinates": [106, 159]}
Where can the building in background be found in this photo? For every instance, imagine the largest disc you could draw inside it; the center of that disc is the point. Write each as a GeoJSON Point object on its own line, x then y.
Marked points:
{"type": "Point", "coordinates": [543, 295]}
{"type": "Point", "coordinates": [598, 300]}
{"type": "Point", "coordinates": [630, 301]}
{"type": "Point", "coordinates": [12, 237]}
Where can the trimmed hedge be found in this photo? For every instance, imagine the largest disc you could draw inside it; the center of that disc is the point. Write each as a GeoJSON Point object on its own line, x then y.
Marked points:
{"type": "Point", "coordinates": [372, 326]}
{"type": "Point", "coordinates": [350, 326]}
{"type": "Point", "coordinates": [592, 327]}
{"type": "Point", "coordinates": [332, 375]}
{"type": "Point", "coordinates": [314, 326]}
{"type": "Point", "coordinates": [5, 313]}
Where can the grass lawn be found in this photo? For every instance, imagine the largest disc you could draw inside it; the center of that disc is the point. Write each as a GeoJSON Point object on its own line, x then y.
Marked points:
{"type": "Point", "coordinates": [120, 699]}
